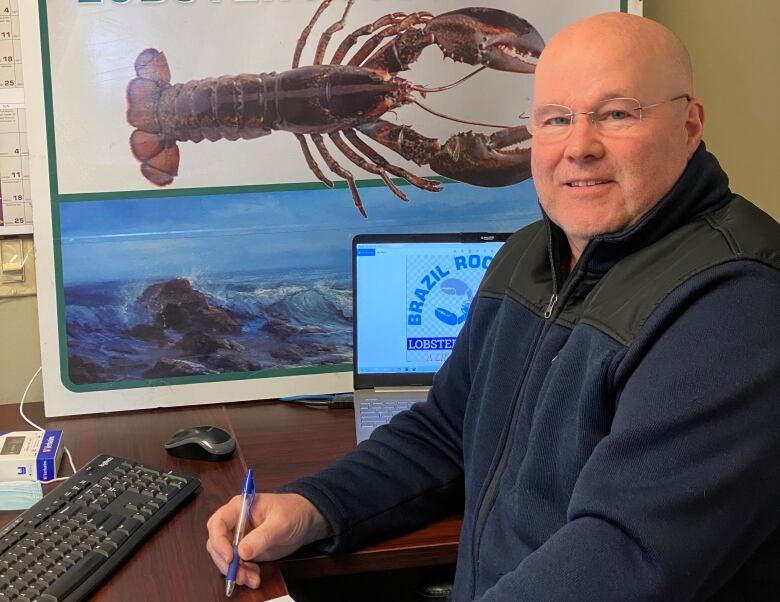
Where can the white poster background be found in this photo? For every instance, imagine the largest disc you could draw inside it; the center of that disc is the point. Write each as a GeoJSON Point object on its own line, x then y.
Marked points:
{"type": "Point", "coordinates": [92, 50]}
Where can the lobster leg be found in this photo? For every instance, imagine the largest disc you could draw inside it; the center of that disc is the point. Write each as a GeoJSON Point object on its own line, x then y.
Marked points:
{"type": "Point", "coordinates": [319, 56]}
{"type": "Point", "coordinates": [406, 24]}
{"type": "Point", "coordinates": [349, 41]}
{"type": "Point", "coordinates": [311, 162]}
{"type": "Point", "coordinates": [306, 31]}
{"type": "Point", "coordinates": [338, 169]}
{"type": "Point", "coordinates": [370, 167]}
{"type": "Point", "coordinates": [430, 185]}
{"type": "Point", "coordinates": [403, 140]}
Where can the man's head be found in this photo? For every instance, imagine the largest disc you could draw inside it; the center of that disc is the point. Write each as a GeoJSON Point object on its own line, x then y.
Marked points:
{"type": "Point", "coordinates": [593, 180]}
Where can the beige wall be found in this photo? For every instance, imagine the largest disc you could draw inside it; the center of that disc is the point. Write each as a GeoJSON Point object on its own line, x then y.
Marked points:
{"type": "Point", "coordinates": [20, 354]}
{"type": "Point", "coordinates": [734, 48]}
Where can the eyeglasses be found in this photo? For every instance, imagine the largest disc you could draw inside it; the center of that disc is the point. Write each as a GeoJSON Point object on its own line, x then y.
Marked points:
{"type": "Point", "coordinates": [615, 115]}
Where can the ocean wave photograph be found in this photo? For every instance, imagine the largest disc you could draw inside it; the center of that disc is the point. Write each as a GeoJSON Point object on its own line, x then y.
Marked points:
{"type": "Point", "coordinates": [252, 284]}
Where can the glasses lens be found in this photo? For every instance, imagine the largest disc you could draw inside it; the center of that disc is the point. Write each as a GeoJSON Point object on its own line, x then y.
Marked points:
{"type": "Point", "coordinates": [613, 115]}
{"type": "Point", "coordinates": [550, 120]}
{"type": "Point", "coordinates": [618, 114]}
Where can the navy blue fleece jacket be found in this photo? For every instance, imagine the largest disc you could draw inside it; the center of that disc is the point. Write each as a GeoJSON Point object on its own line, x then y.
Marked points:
{"type": "Point", "coordinates": [619, 443]}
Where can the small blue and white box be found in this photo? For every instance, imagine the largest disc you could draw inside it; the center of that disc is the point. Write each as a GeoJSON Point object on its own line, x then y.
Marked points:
{"type": "Point", "coordinates": [30, 455]}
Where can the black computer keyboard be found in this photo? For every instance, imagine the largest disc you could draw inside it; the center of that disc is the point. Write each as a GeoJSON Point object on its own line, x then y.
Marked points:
{"type": "Point", "coordinates": [65, 545]}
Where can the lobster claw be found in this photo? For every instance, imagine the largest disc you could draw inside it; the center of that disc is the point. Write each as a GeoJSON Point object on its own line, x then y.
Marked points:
{"type": "Point", "coordinates": [487, 36]}
{"type": "Point", "coordinates": [483, 160]}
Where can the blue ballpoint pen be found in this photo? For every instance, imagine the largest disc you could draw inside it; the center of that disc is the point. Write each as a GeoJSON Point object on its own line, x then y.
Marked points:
{"type": "Point", "coordinates": [247, 497]}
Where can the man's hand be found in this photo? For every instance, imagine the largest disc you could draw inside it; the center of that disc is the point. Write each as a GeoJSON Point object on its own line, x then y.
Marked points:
{"type": "Point", "coordinates": [280, 523]}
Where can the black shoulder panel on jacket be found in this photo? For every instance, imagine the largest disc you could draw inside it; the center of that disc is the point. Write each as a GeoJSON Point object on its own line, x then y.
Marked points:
{"type": "Point", "coordinates": [624, 298]}
{"type": "Point", "coordinates": [531, 285]}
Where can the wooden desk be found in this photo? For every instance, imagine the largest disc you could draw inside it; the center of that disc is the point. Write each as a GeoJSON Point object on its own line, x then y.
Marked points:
{"type": "Point", "coordinates": [280, 442]}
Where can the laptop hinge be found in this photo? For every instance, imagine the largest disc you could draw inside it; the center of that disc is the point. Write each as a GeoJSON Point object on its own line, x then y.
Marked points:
{"type": "Point", "coordinates": [401, 389]}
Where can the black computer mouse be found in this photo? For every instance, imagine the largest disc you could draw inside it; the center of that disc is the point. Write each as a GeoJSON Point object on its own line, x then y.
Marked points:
{"type": "Point", "coordinates": [201, 443]}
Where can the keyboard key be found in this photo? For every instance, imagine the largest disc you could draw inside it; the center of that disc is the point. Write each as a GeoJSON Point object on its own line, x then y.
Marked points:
{"type": "Point", "coordinates": [167, 492]}
{"type": "Point", "coordinates": [129, 526]}
{"type": "Point", "coordinates": [71, 579]}
{"type": "Point", "coordinates": [112, 523]}
{"type": "Point", "coordinates": [117, 537]}
{"type": "Point", "coordinates": [106, 548]}
{"type": "Point", "coordinates": [99, 518]}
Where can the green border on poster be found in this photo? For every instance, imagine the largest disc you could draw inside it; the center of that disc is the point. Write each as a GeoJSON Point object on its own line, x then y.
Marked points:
{"type": "Point", "coordinates": [217, 190]}
{"type": "Point", "coordinates": [206, 378]}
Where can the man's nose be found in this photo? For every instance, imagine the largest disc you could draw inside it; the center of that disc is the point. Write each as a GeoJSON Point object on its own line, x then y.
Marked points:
{"type": "Point", "coordinates": [584, 140]}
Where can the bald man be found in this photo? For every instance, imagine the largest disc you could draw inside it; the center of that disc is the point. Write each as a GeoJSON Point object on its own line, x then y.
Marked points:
{"type": "Point", "coordinates": [610, 410]}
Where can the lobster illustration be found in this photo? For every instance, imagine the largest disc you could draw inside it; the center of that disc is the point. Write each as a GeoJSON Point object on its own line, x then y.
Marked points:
{"type": "Point", "coordinates": [339, 100]}
{"type": "Point", "coordinates": [455, 286]}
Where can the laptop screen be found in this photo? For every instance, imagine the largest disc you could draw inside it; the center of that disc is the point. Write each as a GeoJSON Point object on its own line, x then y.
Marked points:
{"type": "Point", "coordinates": [411, 296]}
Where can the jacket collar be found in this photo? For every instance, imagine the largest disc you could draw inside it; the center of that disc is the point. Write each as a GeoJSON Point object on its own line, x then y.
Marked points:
{"type": "Point", "coordinates": [702, 187]}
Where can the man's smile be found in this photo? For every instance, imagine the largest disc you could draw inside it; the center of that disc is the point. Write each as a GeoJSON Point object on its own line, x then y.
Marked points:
{"type": "Point", "coordinates": [586, 183]}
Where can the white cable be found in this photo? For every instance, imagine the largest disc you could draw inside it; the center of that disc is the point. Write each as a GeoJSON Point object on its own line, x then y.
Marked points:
{"type": "Point", "coordinates": [31, 423]}
{"type": "Point", "coordinates": [72, 467]}
{"type": "Point", "coordinates": [24, 396]}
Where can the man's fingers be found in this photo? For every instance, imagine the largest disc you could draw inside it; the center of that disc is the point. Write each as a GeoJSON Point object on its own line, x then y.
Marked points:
{"type": "Point", "coordinates": [226, 516]}
{"type": "Point", "coordinates": [220, 527]}
{"type": "Point", "coordinates": [255, 543]}
{"type": "Point", "coordinates": [219, 554]}
{"type": "Point", "coordinates": [248, 574]}
{"type": "Point", "coordinates": [220, 562]}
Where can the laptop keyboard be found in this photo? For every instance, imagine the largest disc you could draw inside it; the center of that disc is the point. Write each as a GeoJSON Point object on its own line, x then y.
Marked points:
{"type": "Point", "coordinates": [376, 412]}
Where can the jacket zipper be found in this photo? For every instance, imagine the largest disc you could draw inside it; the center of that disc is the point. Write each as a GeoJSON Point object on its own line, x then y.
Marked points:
{"type": "Point", "coordinates": [550, 306]}
{"type": "Point", "coordinates": [490, 492]}
{"type": "Point", "coordinates": [552, 255]}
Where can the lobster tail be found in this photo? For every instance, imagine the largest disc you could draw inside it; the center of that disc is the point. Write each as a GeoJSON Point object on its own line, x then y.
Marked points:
{"type": "Point", "coordinates": [158, 154]}
{"type": "Point", "coordinates": [152, 64]}
{"type": "Point", "coordinates": [159, 157]}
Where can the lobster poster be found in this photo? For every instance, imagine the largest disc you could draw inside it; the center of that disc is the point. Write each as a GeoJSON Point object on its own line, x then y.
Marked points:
{"type": "Point", "coordinates": [199, 168]}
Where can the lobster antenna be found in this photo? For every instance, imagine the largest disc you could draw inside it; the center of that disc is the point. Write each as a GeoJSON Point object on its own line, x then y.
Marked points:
{"type": "Point", "coordinates": [451, 118]}
{"type": "Point", "coordinates": [425, 90]}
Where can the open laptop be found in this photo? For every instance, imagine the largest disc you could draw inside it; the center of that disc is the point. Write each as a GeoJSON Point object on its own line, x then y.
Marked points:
{"type": "Point", "coordinates": [411, 294]}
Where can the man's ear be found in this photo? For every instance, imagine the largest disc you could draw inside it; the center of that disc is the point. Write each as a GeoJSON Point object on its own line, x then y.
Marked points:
{"type": "Point", "coordinates": [694, 124]}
